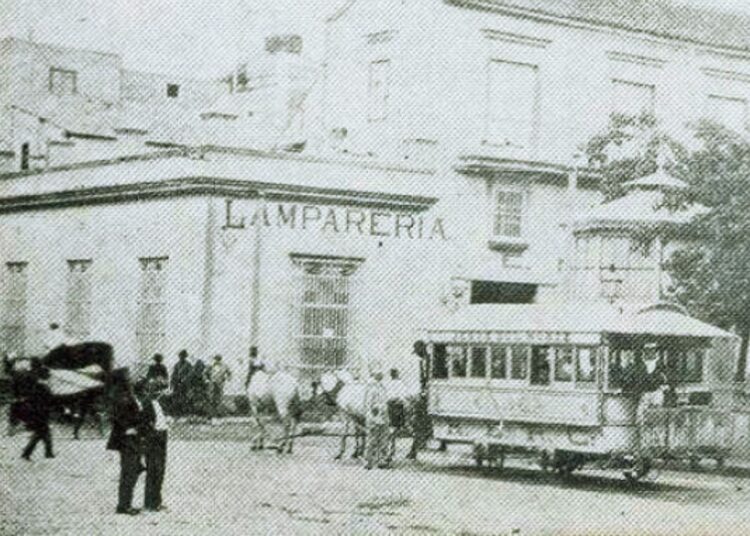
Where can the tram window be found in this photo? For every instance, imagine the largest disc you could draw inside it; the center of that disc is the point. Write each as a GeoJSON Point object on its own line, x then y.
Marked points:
{"type": "Point", "coordinates": [586, 367]}
{"type": "Point", "coordinates": [540, 367]}
{"type": "Point", "coordinates": [479, 362]}
{"type": "Point", "coordinates": [458, 360]}
{"type": "Point", "coordinates": [564, 364]}
{"type": "Point", "coordinates": [498, 369]}
{"type": "Point", "coordinates": [693, 366]}
{"type": "Point", "coordinates": [440, 362]}
{"type": "Point", "coordinates": [519, 363]}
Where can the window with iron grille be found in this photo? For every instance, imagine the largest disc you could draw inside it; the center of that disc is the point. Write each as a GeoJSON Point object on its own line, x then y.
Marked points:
{"type": "Point", "coordinates": [78, 299]}
{"type": "Point", "coordinates": [324, 313]}
{"type": "Point", "coordinates": [63, 81]}
{"type": "Point", "coordinates": [508, 221]}
{"type": "Point", "coordinates": [14, 308]}
{"type": "Point", "coordinates": [152, 307]}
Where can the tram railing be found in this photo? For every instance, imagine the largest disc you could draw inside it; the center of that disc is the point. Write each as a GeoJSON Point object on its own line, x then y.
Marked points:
{"type": "Point", "coordinates": [692, 432]}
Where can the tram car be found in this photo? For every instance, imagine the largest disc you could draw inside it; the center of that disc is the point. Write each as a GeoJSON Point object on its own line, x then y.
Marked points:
{"type": "Point", "coordinates": [577, 384]}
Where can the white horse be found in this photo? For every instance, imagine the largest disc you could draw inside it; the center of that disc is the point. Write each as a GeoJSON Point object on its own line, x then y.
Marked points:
{"type": "Point", "coordinates": [280, 390]}
{"type": "Point", "coordinates": [348, 395]}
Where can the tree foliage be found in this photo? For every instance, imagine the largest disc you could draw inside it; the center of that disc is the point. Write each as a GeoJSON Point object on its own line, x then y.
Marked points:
{"type": "Point", "coordinates": [711, 275]}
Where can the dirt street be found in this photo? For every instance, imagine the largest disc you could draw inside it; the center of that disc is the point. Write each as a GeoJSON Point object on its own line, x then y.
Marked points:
{"type": "Point", "coordinates": [223, 488]}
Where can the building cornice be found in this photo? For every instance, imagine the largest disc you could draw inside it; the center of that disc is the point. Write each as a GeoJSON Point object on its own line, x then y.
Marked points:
{"type": "Point", "coordinates": [209, 186]}
{"type": "Point", "coordinates": [582, 22]}
{"type": "Point", "coordinates": [489, 167]}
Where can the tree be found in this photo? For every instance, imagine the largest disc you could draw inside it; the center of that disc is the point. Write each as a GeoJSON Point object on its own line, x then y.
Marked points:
{"type": "Point", "coordinates": [711, 275]}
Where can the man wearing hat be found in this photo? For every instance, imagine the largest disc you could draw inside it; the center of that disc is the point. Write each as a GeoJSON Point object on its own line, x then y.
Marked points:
{"type": "Point", "coordinates": [125, 438]}
{"type": "Point", "coordinates": [181, 376]}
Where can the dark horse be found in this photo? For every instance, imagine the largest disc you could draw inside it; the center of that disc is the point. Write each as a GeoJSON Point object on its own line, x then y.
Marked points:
{"type": "Point", "coordinates": [76, 357]}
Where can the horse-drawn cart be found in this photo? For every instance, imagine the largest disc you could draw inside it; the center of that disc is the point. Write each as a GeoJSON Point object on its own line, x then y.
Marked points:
{"type": "Point", "coordinates": [574, 384]}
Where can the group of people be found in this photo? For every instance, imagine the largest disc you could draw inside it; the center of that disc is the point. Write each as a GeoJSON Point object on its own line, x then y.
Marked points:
{"type": "Point", "coordinates": [385, 413]}
{"type": "Point", "coordinates": [196, 389]}
{"type": "Point", "coordinates": [139, 433]}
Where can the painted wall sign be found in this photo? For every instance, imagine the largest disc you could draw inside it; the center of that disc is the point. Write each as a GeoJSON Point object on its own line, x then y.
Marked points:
{"type": "Point", "coordinates": [339, 220]}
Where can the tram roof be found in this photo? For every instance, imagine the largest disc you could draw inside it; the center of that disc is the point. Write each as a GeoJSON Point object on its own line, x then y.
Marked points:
{"type": "Point", "coordinates": [658, 320]}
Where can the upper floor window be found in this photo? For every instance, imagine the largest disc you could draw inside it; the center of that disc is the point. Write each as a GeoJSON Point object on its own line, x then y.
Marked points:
{"type": "Point", "coordinates": [633, 98]}
{"type": "Point", "coordinates": [728, 111]}
{"type": "Point", "coordinates": [508, 217]}
{"type": "Point", "coordinates": [173, 91]}
{"type": "Point", "coordinates": [378, 90]}
{"type": "Point", "coordinates": [512, 96]}
{"type": "Point", "coordinates": [62, 81]}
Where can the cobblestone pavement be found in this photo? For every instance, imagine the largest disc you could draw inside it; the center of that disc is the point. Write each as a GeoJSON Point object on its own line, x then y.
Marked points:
{"type": "Point", "coordinates": [221, 487]}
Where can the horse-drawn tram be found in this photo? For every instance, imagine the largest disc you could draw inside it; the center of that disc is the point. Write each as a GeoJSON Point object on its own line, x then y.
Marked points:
{"type": "Point", "coordinates": [576, 384]}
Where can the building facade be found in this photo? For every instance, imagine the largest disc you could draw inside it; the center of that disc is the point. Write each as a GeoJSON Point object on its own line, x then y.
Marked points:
{"type": "Point", "coordinates": [326, 213]}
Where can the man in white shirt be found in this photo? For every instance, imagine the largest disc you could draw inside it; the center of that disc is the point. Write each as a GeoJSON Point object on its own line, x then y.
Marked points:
{"type": "Point", "coordinates": [155, 447]}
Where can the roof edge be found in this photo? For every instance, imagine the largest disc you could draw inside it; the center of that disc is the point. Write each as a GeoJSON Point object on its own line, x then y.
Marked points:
{"type": "Point", "coordinates": [548, 16]}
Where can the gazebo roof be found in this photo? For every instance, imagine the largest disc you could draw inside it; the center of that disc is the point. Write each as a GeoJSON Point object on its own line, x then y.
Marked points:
{"type": "Point", "coordinates": [659, 180]}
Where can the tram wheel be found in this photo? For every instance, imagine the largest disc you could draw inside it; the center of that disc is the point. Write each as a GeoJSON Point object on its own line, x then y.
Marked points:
{"type": "Point", "coordinates": [641, 467]}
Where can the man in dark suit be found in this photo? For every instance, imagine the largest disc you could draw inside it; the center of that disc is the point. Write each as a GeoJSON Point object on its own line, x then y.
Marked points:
{"type": "Point", "coordinates": [37, 415]}
{"type": "Point", "coordinates": [155, 446]}
{"type": "Point", "coordinates": [181, 374]}
{"type": "Point", "coordinates": [421, 426]}
{"type": "Point", "coordinates": [125, 438]}
{"type": "Point", "coordinates": [157, 372]}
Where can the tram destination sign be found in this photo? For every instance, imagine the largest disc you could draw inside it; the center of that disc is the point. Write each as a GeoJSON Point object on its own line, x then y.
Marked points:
{"type": "Point", "coordinates": [519, 337]}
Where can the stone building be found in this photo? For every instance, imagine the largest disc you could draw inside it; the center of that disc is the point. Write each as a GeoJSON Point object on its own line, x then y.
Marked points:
{"type": "Point", "coordinates": [326, 211]}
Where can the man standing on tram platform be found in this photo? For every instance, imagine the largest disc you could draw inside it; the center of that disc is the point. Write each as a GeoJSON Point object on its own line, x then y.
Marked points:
{"type": "Point", "coordinates": [421, 429]}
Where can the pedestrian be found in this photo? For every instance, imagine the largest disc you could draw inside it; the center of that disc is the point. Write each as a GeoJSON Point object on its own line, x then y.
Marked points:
{"type": "Point", "coordinates": [181, 374]}
{"type": "Point", "coordinates": [396, 395]}
{"type": "Point", "coordinates": [217, 375]}
{"type": "Point", "coordinates": [158, 373]}
{"type": "Point", "coordinates": [377, 445]}
{"type": "Point", "coordinates": [35, 413]}
{"type": "Point", "coordinates": [198, 388]}
{"type": "Point", "coordinates": [126, 439]}
{"type": "Point", "coordinates": [155, 431]}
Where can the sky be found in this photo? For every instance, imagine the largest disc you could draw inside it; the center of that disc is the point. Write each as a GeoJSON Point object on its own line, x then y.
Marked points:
{"type": "Point", "coordinates": [199, 38]}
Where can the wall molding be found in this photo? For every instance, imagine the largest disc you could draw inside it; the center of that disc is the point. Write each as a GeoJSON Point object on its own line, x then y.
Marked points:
{"type": "Point", "coordinates": [516, 39]}
{"type": "Point", "coordinates": [377, 38]}
{"type": "Point", "coordinates": [635, 59]}
{"type": "Point", "coordinates": [723, 74]}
